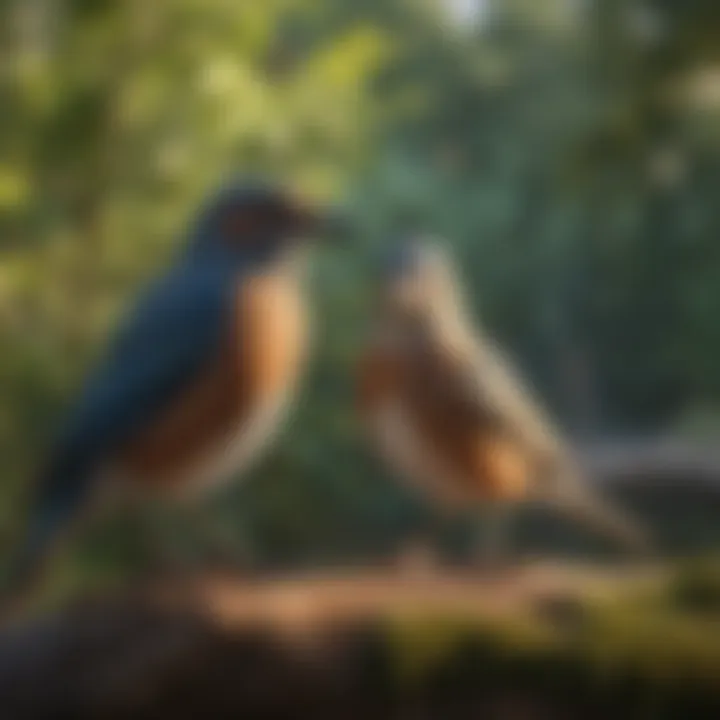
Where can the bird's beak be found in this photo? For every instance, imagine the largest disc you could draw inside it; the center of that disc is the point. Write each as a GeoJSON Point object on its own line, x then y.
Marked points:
{"type": "Point", "coordinates": [400, 275]}
{"type": "Point", "coordinates": [324, 224]}
{"type": "Point", "coordinates": [335, 225]}
{"type": "Point", "coordinates": [402, 259]}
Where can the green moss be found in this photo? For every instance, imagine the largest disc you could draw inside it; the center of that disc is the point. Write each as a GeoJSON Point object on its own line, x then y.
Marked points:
{"type": "Point", "coordinates": [650, 658]}
{"type": "Point", "coordinates": [696, 586]}
{"type": "Point", "coordinates": [422, 644]}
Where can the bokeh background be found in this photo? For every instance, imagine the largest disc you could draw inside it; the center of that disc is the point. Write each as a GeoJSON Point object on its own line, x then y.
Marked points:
{"type": "Point", "coordinates": [566, 149]}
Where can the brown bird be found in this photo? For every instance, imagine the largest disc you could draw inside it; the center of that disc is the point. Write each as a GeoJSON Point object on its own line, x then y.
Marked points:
{"type": "Point", "coordinates": [446, 410]}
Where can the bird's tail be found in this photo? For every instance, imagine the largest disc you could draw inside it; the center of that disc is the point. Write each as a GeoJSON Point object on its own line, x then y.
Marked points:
{"type": "Point", "coordinates": [21, 581]}
{"type": "Point", "coordinates": [46, 525]}
{"type": "Point", "coordinates": [577, 499]}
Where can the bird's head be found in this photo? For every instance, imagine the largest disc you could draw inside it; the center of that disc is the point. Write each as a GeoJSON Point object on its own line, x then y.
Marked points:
{"type": "Point", "coordinates": [419, 281]}
{"type": "Point", "coordinates": [258, 224]}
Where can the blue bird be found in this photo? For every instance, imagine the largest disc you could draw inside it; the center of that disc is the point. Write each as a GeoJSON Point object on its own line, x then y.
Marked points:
{"type": "Point", "coordinates": [199, 376]}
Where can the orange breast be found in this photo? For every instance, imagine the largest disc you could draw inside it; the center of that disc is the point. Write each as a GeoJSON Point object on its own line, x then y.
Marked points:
{"type": "Point", "coordinates": [260, 360]}
{"type": "Point", "coordinates": [479, 462]}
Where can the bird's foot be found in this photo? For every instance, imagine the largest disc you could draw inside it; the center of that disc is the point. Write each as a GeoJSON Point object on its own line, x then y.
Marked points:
{"type": "Point", "coordinates": [497, 568]}
{"type": "Point", "coordinates": [417, 559]}
{"type": "Point", "coordinates": [227, 554]}
{"type": "Point", "coordinates": [228, 561]}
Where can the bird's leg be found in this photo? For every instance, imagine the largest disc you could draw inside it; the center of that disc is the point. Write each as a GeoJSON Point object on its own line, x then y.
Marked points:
{"type": "Point", "coordinates": [170, 551]}
{"type": "Point", "coordinates": [223, 544]}
{"type": "Point", "coordinates": [419, 553]}
{"type": "Point", "coordinates": [492, 551]}
{"type": "Point", "coordinates": [166, 551]}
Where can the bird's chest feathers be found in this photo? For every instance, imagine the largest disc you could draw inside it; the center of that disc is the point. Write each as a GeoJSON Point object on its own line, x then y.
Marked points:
{"type": "Point", "coordinates": [401, 434]}
{"type": "Point", "coordinates": [270, 331]}
{"type": "Point", "coordinates": [453, 457]}
{"type": "Point", "coordinates": [227, 416]}
{"type": "Point", "coordinates": [265, 360]}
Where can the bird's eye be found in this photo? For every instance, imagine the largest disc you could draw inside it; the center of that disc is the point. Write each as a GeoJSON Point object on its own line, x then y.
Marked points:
{"type": "Point", "coordinates": [239, 224]}
{"type": "Point", "coordinates": [248, 225]}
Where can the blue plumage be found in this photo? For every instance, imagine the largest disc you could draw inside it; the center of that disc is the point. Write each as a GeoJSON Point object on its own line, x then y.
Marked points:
{"type": "Point", "coordinates": [173, 333]}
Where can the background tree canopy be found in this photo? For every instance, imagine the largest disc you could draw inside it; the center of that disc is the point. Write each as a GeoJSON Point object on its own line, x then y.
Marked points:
{"type": "Point", "coordinates": [567, 149]}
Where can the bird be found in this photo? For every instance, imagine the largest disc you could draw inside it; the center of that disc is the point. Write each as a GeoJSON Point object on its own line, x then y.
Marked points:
{"type": "Point", "coordinates": [198, 377]}
{"type": "Point", "coordinates": [444, 408]}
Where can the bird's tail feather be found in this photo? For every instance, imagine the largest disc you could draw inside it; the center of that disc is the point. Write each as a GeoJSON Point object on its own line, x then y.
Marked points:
{"type": "Point", "coordinates": [579, 500]}
{"type": "Point", "coordinates": [21, 581]}
{"type": "Point", "coordinates": [39, 542]}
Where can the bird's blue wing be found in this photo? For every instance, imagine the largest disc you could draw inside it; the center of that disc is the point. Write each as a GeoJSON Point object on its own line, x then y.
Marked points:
{"type": "Point", "coordinates": [174, 331]}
